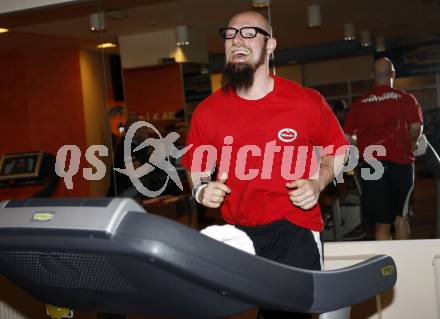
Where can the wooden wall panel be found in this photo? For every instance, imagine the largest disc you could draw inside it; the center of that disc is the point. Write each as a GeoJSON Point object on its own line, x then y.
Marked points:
{"type": "Point", "coordinates": [151, 91]}
{"type": "Point", "coordinates": [41, 107]}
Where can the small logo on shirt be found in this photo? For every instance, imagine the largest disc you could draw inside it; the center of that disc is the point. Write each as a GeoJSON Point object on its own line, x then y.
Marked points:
{"type": "Point", "coordinates": [287, 134]}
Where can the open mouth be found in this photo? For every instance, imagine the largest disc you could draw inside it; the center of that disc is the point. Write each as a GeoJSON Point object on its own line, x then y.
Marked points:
{"type": "Point", "coordinates": [240, 53]}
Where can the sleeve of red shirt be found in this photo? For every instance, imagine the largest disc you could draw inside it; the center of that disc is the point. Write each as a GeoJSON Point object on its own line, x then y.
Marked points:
{"type": "Point", "coordinates": [329, 132]}
{"type": "Point", "coordinates": [413, 111]}
{"type": "Point", "coordinates": [350, 126]}
{"type": "Point", "coordinates": [198, 135]}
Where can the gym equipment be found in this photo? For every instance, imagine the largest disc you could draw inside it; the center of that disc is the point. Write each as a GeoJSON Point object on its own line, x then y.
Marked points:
{"type": "Point", "coordinates": [431, 123]}
{"type": "Point", "coordinates": [431, 160]}
{"type": "Point", "coordinates": [109, 255]}
{"type": "Point", "coordinates": [29, 168]}
{"type": "Point", "coordinates": [345, 218]}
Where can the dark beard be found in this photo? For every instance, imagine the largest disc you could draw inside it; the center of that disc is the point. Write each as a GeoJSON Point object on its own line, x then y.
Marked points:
{"type": "Point", "coordinates": [240, 76]}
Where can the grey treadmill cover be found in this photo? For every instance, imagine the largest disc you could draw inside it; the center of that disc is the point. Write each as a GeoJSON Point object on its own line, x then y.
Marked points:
{"type": "Point", "coordinates": [109, 255]}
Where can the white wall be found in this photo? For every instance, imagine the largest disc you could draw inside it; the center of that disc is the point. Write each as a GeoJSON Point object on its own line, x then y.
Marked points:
{"type": "Point", "coordinates": [414, 295]}
{"type": "Point", "coordinates": [339, 70]}
{"type": "Point", "coordinates": [95, 113]}
{"type": "Point", "coordinates": [147, 49]}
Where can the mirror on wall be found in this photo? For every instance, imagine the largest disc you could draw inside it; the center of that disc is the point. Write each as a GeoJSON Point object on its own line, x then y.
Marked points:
{"type": "Point", "coordinates": [60, 92]}
{"type": "Point", "coordinates": [340, 70]}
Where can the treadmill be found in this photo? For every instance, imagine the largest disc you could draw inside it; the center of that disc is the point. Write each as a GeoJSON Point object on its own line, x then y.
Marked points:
{"type": "Point", "coordinates": [29, 168]}
{"type": "Point", "coordinates": [109, 255]}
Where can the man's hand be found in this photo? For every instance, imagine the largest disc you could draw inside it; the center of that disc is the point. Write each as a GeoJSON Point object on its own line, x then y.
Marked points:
{"type": "Point", "coordinates": [414, 146]}
{"type": "Point", "coordinates": [214, 193]}
{"type": "Point", "coordinates": [305, 193]}
{"type": "Point", "coordinates": [352, 139]}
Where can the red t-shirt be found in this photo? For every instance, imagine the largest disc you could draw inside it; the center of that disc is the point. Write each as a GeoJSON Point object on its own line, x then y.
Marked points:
{"type": "Point", "coordinates": [263, 138]}
{"type": "Point", "coordinates": [383, 117]}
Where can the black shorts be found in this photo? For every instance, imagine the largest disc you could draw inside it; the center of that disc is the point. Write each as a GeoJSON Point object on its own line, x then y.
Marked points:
{"type": "Point", "coordinates": [286, 243]}
{"type": "Point", "coordinates": [289, 244]}
{"type": "Point", "coordinates": [388, 197]}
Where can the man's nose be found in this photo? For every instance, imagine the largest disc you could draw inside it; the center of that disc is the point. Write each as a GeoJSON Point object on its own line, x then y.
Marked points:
{"type": "Point", "coordinates": [238, 38]}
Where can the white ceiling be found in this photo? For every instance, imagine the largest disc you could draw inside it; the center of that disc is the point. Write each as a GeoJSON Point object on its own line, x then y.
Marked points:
{"type": "Point", "coordinates": [405, 19]}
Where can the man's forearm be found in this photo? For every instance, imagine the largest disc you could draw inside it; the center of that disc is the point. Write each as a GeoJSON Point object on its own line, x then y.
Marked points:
{"type": "Point", "coordinates": [196, 181]}
{"type": "Point", "coordinates": [329, 167]}
{"type": "Point", "coordinates": [197, 177]}
{"type": "Point", "coordinates": [415, 130]}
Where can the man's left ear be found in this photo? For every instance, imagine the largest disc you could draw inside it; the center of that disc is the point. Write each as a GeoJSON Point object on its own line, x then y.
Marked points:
{"type": "Point", "coordinates": [271, 45]}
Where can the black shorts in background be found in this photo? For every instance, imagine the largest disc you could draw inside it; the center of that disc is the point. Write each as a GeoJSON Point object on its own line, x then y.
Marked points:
{"type": "Point", "coordinates": [388, 197]}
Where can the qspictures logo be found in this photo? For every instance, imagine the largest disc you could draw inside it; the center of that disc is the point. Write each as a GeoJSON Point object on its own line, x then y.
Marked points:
{"type": "Point", "coordinates": [205, 157]}
{"type": "Point", "coordinates": [163, 149]}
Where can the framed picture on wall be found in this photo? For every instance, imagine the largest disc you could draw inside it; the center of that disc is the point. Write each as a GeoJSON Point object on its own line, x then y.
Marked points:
{"type": "Point", "coordinates": [20, 166]}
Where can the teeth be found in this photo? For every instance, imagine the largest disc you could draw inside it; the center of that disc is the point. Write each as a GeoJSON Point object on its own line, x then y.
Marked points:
{"type": "Point", "coordinates": [240, 51]}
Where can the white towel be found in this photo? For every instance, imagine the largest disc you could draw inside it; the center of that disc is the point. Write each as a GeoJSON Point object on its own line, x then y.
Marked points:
{"type": "Point", "coordinates": [231, 236]}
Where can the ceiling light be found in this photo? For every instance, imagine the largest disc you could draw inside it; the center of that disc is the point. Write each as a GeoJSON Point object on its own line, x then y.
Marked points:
{"type": "Point", "coordinates": [182, 36]}
{"type": "Point", "coordinates": [260, 3]}
{"type": "Point", "coordinates": [314, 16]}
{"type": "Point", "coordinates": [97, 21]}
{"type": "Point", "coordinates": [349, 32]}
{"type": "Point", "coordinates": [366, 38]}
{"type": "Point", "coordinates": [380, 44]}
{"type": "Point", "coordinates": [4, 30]}
{"type": "Point", "coordinates": [106, 45]}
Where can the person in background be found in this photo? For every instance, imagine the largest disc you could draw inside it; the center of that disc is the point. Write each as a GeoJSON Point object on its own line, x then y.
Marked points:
{"type": "Point", "coordinates": [120, 182]}
{"type": "Point", "coordinates": [340, 109]}
{"type": "Point", "coordinates": [257, 111]}
{"type": "Point", "coordinates": [390, 118]}
{"type": "Point", "coordinates": [118, 119]}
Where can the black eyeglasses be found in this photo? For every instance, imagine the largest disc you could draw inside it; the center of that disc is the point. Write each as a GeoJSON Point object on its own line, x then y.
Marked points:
{"type": "Point", "coordinates": [246, 32]}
